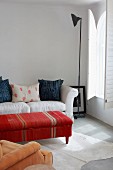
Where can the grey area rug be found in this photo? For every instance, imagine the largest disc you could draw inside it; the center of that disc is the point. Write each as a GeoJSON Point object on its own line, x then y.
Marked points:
{"type": "Point", "coordinates": [80, 150]}
{"type": "Point", "coordinates": [104, 164]}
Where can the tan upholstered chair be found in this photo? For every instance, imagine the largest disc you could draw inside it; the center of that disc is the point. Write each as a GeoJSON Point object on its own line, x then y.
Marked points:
{"type": "Point", "coordinates": [16, 157]}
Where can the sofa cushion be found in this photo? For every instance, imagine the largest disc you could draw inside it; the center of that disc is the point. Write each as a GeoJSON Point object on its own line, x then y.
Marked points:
{"type": "Point", "coordinates": [25, 93]}
{"type": "Point", "coordinates": [1, 153]}
{"type": "Point", "coordinates": [42, 106]}
{"type": "Point", "coordinates": [9, 107]}
{"type": "Point", "coordinates": [50, 90]}
{"type": "Point", "coordinates": [5, 91]}
{"type": "Point", "coordinates": [8, 146]}
{"type": "Point", "coordinates": [0, 78]}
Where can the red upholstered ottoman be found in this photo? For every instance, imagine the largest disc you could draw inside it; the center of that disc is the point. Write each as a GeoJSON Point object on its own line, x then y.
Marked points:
{"type": "Point", "coordinates": [33, 126]}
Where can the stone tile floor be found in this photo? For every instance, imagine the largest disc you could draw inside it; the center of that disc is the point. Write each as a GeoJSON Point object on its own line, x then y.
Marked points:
{"type": "Point", "coordinates": [93, 127]}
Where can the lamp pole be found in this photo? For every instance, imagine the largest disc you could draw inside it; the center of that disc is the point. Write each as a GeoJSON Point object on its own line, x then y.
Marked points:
{"type": "Point", "coordinates": [79, 64]}
{"type": "Point", "coordinates": [75, 20]}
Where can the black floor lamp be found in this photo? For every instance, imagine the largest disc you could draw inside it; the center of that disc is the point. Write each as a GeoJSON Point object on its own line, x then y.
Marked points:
{"type": "Point", "coordinates": [75, 20]}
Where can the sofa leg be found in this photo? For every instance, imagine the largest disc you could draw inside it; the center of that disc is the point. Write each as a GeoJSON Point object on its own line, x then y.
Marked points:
{"type": "Point", "coordinates": [67, 140]}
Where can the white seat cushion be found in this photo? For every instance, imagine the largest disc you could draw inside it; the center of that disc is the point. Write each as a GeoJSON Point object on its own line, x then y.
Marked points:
{"type": "Point", "coordinates": [9, 107]}
{"type": "Point", "coordinates": [42, 106]}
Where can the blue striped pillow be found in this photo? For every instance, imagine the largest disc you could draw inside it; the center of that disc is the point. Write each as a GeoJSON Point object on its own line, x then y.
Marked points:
{"type": "Point", "coordinates": [50, 90]}
{"type": "Point", "coordinates": [5, 91]}
{"type": "Point", "coordinates": [0, 78]}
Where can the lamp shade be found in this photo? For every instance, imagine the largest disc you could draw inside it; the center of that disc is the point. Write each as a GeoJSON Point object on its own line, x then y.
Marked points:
{"type": "Point", "coordinates": [75, 19]}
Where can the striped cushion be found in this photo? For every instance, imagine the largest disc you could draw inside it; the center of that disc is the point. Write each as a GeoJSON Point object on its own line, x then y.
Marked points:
{"type": "Point", "coordinates": [10, 122]}
{"type": "Point", "coordinates": [5, 91]}
{"type": "Point", "coordinates": [45, 119]}
{"type": "Point", "coordinates": [33, 126]}
{"type": "Point", "coordinates": [33, 120]}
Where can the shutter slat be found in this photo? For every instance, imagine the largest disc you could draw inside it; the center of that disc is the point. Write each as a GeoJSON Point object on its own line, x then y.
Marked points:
{"type": "Point", "coordinates": [109, 56]}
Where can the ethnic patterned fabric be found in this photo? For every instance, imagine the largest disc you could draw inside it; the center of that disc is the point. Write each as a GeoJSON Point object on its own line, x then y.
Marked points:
{"type": "Point", "coordinates": [33, 126]}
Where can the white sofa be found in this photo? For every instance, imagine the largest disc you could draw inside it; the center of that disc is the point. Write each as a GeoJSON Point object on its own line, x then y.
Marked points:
{"type": "Point", "coordinates": [65, 105]}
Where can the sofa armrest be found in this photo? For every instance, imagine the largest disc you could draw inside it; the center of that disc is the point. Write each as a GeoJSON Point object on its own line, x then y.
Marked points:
{"type": "Point", "coordinates": [8, 146]}
{"type": "Point", "coordinates": [18, 154]}
{"type": "Point", "coordinates": [67, 96]}
{"type": "Point", "coordinates": [48, 157]}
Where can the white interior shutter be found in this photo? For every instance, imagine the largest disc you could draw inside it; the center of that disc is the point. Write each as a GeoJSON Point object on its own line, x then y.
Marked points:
{"type": "Point", "coordinates": [92, 56]}
{"type": "Point", "coordinates": [101, 38]}
{"type": "Point", "coordinates": [109, 56]}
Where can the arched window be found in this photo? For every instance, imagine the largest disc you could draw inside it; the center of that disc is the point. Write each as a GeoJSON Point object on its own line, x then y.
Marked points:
{"type": "Point", "coordinates": [101, 33]}
{"type": "Point", "coordinates": [96, 57]}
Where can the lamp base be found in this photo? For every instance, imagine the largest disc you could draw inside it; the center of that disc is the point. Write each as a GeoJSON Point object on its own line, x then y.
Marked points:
{"type": "Point", "coordinates": [75, 117]}
{"type": "Point", "coordinates": [79, 115]}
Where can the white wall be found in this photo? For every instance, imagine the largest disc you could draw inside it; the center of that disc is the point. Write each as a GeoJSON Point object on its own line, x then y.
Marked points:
{"type": "Point", "coordinates": [39, 41]}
